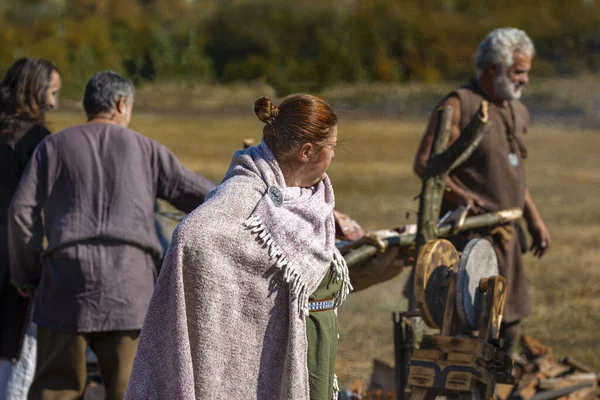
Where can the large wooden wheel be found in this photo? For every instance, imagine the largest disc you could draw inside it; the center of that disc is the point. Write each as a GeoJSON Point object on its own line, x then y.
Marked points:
{"type": "Point", "coordinates": [437, 260]}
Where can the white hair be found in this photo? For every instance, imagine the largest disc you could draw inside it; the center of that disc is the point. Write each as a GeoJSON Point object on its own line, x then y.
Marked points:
{"type": "Point", "coordinates": [499, 45]}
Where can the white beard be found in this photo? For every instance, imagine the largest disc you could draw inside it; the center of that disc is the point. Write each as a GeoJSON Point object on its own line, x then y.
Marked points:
{"type": "Point", "coordinates": [505, 89]}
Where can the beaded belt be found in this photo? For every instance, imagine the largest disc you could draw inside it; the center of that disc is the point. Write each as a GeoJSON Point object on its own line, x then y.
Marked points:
{"type": "Point", "coordinates": [321, 305]}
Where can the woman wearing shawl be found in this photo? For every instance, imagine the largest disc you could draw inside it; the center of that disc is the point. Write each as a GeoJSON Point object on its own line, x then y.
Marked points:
{"type": "Point", "coordinates": [228, 316]}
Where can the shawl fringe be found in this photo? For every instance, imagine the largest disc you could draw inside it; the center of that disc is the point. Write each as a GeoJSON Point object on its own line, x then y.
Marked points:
{"type": "Point", "coordinates": [341, 272]}
{"type": "Point", "coordinates": [290, 273]}
{"type": "Point", "coordinates": [336, 388]}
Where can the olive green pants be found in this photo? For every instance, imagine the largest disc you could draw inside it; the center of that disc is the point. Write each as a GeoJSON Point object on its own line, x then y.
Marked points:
{"type": "Point", "coordinates": [321, 332]}
{"type": "Point", "coordinates": [61, 372]}
{"type": "Point", "coordinates": [322, 336]}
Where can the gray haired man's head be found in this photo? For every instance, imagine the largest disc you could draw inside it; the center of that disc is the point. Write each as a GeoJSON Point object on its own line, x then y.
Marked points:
{"type": "Point", "coordinates": [104, 91]}
{"type": "Point", "coordinates": [499, 46]}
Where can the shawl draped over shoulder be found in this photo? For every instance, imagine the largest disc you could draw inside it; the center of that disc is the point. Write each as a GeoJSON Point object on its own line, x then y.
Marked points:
{"type": "Point", "coordinates": [227, 317]}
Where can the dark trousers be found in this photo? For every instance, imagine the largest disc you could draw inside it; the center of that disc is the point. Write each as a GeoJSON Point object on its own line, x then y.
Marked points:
{"type": "Point", "coordinates": [61, 365]}
{"type": "Point", "coordinates": [510, 333]}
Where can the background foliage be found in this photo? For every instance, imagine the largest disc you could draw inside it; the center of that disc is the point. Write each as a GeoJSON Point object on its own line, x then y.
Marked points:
{"type": "Point", "coordinates": [291, 45]}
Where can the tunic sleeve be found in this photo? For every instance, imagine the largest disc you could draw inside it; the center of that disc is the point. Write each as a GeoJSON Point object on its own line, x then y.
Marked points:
{"type": "Point", "coordinates": [178, 185]}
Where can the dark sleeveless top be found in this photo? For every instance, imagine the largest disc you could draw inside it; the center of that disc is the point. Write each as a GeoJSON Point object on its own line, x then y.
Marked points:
{"type": "Point", "coordinates": [488, 171]}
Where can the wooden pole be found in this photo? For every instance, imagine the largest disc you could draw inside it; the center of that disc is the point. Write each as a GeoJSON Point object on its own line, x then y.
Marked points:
{"type": "Point", "coordinates": [361, 254]}
{"type": "Point", "coordinates": [433, 186]}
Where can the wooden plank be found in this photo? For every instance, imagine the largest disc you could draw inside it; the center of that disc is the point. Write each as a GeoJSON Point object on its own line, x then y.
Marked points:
{"type": "Point", "coordinates": [528, 386]}
{"type": "Point", "coordinates": [578, 365]}
{"type": "Point", "coordinates": [452, 344]}
{"type": "Point", "coordinates": [569, 380]}
{"type": "Point", "coordinates": [533, 348]}
{"type": "Point", "coordinates": [421, 377]}
{"type": "Point", "coordinates": [550, 367]}
{"type": "Point", "coordinates": [455, 375]}
{"type": "Point", "coordinates": [582, 394]}
{"type": "Point", "coordinates": [461, 381]}
{"type": "Point", "coordinates": [426, 354]}
{"type": "Point", "coordinates": [461, 362]}
{"type": "Point", "coordinates": [420, 394]}
{"type": "Point", "coordinates": [470, 358]}
{"type": "Point", "coordinates": [555, 394]}
{"type": "Point", "coordinates": [495, 297]}
{"type": "Point", "coordinates": [503, 391]}
{"type": "Point", "coordinates": [445, 364]}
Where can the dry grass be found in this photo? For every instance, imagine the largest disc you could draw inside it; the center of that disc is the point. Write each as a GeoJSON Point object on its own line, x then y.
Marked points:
{"type": "Point", "coordinates": [374, 184]}
{"type": "Point", "coordinates": [576, 99]}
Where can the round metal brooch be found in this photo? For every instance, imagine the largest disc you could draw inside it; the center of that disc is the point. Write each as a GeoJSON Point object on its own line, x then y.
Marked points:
{"type": "Point", "coordinates": [275, 195]}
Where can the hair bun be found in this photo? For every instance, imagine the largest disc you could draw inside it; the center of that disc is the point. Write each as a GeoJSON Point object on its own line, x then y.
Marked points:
{"type": "Point", "coordinates": [265, 110]}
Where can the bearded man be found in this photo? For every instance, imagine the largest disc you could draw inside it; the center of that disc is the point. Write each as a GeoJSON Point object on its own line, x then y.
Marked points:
{"type": "Point", "coordinates": [493, 178]}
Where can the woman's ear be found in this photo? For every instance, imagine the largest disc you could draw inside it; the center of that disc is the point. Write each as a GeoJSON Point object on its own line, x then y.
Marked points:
{"type": "Point", "coordinates": [305, 152]}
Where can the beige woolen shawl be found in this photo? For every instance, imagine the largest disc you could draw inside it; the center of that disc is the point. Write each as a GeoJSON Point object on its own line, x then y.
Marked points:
{"type": "Point", "coordinates": [227, 318]}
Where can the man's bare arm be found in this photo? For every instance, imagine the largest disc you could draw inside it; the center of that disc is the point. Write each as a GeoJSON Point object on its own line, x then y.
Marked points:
{"type": "Point", "coordinates": [537, 228]}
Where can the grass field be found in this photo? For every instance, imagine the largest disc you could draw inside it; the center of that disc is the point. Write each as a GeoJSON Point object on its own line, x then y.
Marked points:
{"type": "Point", "coordinates": [374, 184]}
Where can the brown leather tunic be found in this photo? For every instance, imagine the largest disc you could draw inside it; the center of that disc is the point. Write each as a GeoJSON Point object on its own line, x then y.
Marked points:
{"type": "Point", "coordinates": [500, 183]}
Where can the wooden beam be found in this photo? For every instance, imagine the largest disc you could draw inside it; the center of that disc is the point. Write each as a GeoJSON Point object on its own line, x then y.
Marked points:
{"type": "Point", "coordinates": [365, 251]}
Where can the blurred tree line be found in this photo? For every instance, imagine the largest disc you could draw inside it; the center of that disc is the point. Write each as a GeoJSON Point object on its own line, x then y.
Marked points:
{"type": "Point", "coordinates": [292, 45]}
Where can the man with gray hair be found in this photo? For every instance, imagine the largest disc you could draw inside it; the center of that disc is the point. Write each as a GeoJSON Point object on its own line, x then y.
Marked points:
{"type": "Point", "coordinates": [493, 178]}
{"type": "Point", "coordinates": [96, 185]}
